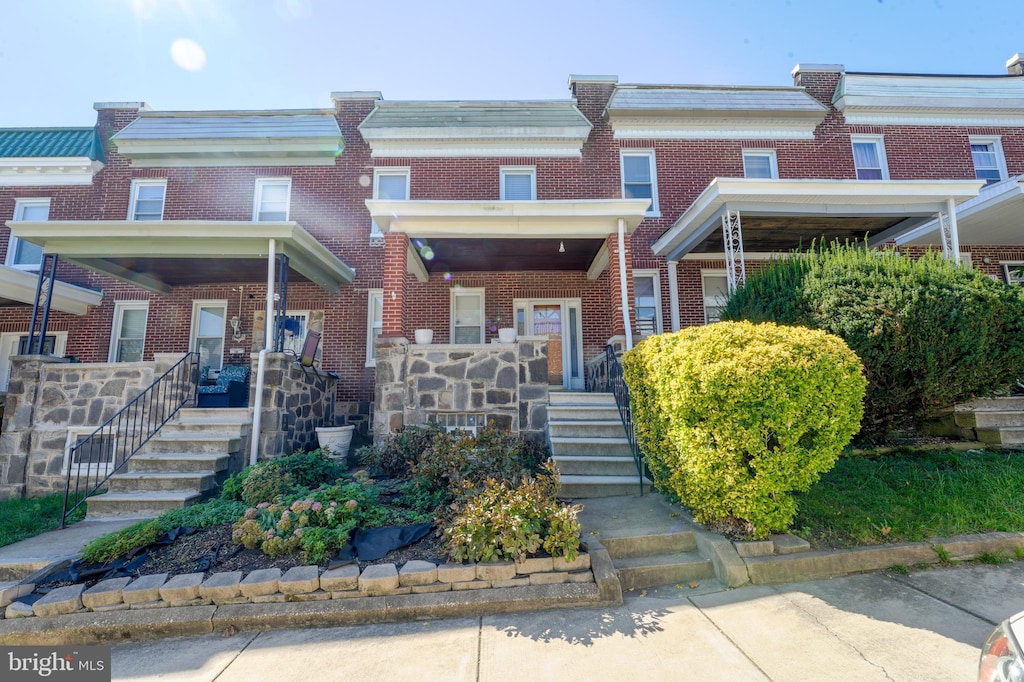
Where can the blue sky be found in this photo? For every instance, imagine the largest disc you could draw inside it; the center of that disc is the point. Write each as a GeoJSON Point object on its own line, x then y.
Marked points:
{"type": "Point", "coordinates": [57, 57]}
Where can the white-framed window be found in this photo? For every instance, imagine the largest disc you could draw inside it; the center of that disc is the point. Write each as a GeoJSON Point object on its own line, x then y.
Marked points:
{"type": "Point", "coordinates": [391, 184]}
{"type": "Point", "coordinates": [518, 183]}
{"type": "Point", "coordinates": [760, 163]}
{"type": "Point", "coordinates": [128, 333]}
{"type": "Point", "coordinates": [640, 177]}
{"type": "Point", "coordinates": [296, 323]}
{"type": "Point", "coordinates": [147, 202]}
{"type": "Point", "coordinates": [207, 336]}
{"type": "Point", "coordinates": [20, 253]}
{"type": "Point", "coordinates": [1013, 273]}
{"type": "Point", "coordinates": [374, 323]}
{"type": "Point", "coordinates": [272, 199]}
{"type": "Point", "coordinates": [869, 157]}
{"type": "Point", "coordinates": [98, 456]}
{"type": "Point", "coordinates": [647, 302]}
{"type": "Point", "coordinates": [467, 315]}
{"type": "Point", "coordinates": [715, 288]}
{"type": "Point", "coordinates": [989, 162]}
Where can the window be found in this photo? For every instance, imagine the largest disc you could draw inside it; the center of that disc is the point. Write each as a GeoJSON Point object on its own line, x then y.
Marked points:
{"type": "Point", "coordinates": [21, 254]}
{"type": "Point", "coordinates": [647, 302]}
{"type": "Point", "coordinates": [392, 184]}
{"type": "Point", "coordinates": [989, 163]}
{"type": "Point", "coordinates": [98, 456]}
{"type": "Point", "coordinates": [518, 184]}
{"type": "Point", "coordinates": [467, 315]}
{"type": "Point", "coordinates": [208, 332]}
{"type": "Point", "coordinates": [1013, 273]}
{"type": "Point", "coordinates": [760, 163]}
{"type": "Point", "coordinates": [374, 323]}
{"type": "Point", "coordinates": [147, 200]}
{"type": "Point", "coordinates": [273, 196]}
{"type": "Point", "coordinates": [715, 284]}
{"type": "Point", "coordinates": [639, 178]}
{"type": "Point", "coordinates": [869, 158]}
{"type": "Point", "coordinates": [128, 336]}
{"type": "Point", "coordinates": [295, 325]}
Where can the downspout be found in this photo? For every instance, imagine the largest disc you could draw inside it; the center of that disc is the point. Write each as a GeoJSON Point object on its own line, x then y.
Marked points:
{"type": "Point", "coordinates": [624, 284]}
{"type": "Point", "coordinates": [261, 365]}
{"type": "Point", "coordinates": [673, 294]}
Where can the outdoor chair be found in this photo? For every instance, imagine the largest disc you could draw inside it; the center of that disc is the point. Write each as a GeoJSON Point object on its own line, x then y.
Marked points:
{"type": "Point", "coordinates": [230, 390]}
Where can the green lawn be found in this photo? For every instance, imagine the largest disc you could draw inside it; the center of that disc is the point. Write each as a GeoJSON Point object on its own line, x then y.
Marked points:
{"type": "Point", "coordinates": [25, 518]}
{"type": "Point", "coordinates": [910, 496]}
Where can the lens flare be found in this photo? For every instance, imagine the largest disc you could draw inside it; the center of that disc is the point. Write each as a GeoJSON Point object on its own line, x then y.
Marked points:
{"type": "Point", "coordinates": [447, 276]}
{"type": "Point", "coordinates": [427, 253]}
{"type": "Point", "coordinates": [188, 55]}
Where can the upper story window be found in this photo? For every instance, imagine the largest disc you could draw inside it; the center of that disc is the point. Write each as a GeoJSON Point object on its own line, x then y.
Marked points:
{"type": "Point", "coordinates": [21, 254]}
{"type": "Point", "coordinates": [273, 197]}
{"type": "Point", "coordinates": [640, 178]}
{"type": "Point", "coordinates": [760, 163]}
{"type": "Point", "coordinates": [869, 158]}
{"type": "Point", "coordinates": [989, 162]}
{"type": "Point", "coordinates": [392, 184]}
{"type": "Point", "coordinates": [147, 200]}
{"type": "Point", "coordinates": [518, 184]}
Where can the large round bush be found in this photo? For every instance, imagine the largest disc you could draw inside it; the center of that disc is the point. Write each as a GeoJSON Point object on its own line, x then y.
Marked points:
{"type": "Point", "coordinates": [929, 332]}
{"type": "Point", "coordinates": [735, 415]}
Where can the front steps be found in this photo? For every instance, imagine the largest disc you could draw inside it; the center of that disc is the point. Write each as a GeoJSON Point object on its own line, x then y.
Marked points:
{"type": "Point", "coordinates": [183, 464]}
{"type": "Point", "coordinates": [589, 446]}
{"type": "Point", "coordinates": [994, 421]}
{"type": "Point", "coordinates": [661, 559]}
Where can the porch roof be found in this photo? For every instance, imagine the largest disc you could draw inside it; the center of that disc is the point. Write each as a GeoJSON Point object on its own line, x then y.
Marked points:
{"type": "Point", "coordinates": [995, 216]}
{"type": "Point", "coordinates": [162, 254]}
{"type": "Point", "coordinates": [781, 215]}
{"type": "Point", "coordinates": [18, 287]}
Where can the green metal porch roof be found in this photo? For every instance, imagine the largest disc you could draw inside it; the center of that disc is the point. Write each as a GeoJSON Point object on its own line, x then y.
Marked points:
{"type": "Point", "coordinates": [22, 143]}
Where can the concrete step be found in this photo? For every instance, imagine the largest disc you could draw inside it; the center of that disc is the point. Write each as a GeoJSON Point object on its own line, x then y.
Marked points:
{"type": "Point", "coordinates": [1001, 436]}
{"type": "Point", "coordinates": [586, 429]}
{"type": "Point", "coordinates": [140, 481]}
{"type": "Point", "coordinates": [214, 429]}
{"type": "Point", "coordinates": [988, 419]}
{"type": "Point", "coordinates": [1008, 404]}
{"type": "Point", "coordinates": [582, 465]}
{"type": "Point", "coordinates": [579, 487]}
{"type": "Point", "coordinates": [583, 413]}
{"type": "Point", "coordinates": [590, 446]}
{"type": "Point", "coordinates": [650, 545]}
{"type": "Point", "coordinates": [178, 462]}
{"type": "Point", "coordinates": [194, 443]}
{"type": "Point", "coordinates": [580, 398]}
{"type": "Point", "coordinates": [217, 415]}
{"type": "Point", "coordinates": [662, 569]}
{"type": "Point", "coordinates": [147, 503]}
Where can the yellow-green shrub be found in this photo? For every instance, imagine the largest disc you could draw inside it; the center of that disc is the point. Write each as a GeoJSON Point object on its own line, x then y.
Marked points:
{"type": "Point", "coordinates": [735, 415]}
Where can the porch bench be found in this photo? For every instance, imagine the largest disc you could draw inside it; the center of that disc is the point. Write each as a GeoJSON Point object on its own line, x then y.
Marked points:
{"type": "Point", "coordinates": [230, 390]}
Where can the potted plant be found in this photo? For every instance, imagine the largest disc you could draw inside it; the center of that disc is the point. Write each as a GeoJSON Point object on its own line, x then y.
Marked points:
{"type": "Point", "coordinates": [505, 334]}
{"type": "Point", "coordinates": [423, 336]}
{"type": "Point", "coordinates": [335, 439]}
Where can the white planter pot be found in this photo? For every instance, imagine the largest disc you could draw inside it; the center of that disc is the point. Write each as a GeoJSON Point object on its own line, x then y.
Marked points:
{"type": "Point", "coordinates": [507, 335]}
{"type": "Point", "coordinates": [336, 439]}
{"type": "Point", "coordinates": [423, 336]}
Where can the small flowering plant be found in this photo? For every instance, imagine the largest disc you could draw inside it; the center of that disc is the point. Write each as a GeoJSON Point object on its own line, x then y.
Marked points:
{"type": "Point", "coordinates": [280, 529]}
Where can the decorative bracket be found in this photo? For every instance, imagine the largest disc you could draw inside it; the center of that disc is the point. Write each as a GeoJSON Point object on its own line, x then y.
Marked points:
{"type": "Point", "coordinates": [732, 235]}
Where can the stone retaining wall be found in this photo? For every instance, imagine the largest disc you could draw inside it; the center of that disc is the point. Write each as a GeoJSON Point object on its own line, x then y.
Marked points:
{"type": "Point", "coordinates": [505, 384]}
{"type": "Point", "coordinates": [302, 583]}
{"type": "Point", "coordinates": [296, 400]}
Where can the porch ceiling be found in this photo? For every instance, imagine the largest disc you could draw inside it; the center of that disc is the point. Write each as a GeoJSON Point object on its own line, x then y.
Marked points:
{"type": "Point", "coordinates": [995, 216]}
{"type": "Point", "coordinates": [781, 215]}
{"type": "Point", "coordinates": [484, 254]}
{"type": "Point", "coordinates": [159, 255]}
{"type": "Point", "coordinates": [18, 287]}
{"type": "Point", "coordinates": [572, 219]}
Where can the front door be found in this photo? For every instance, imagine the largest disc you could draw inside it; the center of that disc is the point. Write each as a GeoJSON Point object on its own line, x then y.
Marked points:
{"type": "Point", "coordinates": [557, 320]}
{"type": "Point", "coordinates": [208, 323]}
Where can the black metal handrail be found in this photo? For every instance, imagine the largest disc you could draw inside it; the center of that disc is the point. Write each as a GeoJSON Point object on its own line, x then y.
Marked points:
{"type": "Point", "coordinates": [612, 381]}
{"type": "Point", "coordinates": [106, 450]}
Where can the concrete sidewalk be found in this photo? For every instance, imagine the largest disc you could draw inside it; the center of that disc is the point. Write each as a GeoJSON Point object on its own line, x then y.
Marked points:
{"type": "Point", "coordinates": [23, 558]}
{"type": "Point", "coordinates": [926, 626]}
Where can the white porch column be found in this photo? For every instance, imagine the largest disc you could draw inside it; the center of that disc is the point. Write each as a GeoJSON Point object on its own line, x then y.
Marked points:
{"type": "Point", "coordinates": [624, 285]}
{"type": "Point", "coordinates": [948, 232]}
{"type": "Point", "coordinates": [673, 295]}
{"type": "Point", "coordinates": [732, 235]}
{"type": "Point", "coordinates": [268, 340]}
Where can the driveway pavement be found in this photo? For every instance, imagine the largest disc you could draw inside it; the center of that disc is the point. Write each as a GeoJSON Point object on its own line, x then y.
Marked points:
{"type": "Point", "coordinates": [926, 626]}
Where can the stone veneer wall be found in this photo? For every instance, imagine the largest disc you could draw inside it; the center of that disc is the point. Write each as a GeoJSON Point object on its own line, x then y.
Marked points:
{"type": "Point", "coordinates": [296, 400]}
{"type": "Point", "coordinates": [507, 383]}
{"type": "Point", "coordinates": [46, 396]}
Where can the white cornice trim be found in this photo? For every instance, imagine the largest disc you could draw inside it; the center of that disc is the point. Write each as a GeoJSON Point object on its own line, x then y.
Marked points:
{"type": "Point", "coordinates": [20, 285]}
{"type": "Point", "coordinates": [465, 142]}
{"type": "Point", "coordinates": [932, 116]}
{"type": "Point", "coordinates": [50, 171]}
{"type": "Point", "coordinates": [231, 152]}
{"type": "Point", "coordinates": [713, 129]}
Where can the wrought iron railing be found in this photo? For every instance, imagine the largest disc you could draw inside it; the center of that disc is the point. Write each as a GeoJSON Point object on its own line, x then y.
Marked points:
{"type": "Point", "coordinates": [607, 378]}
{"type": "Point", "coordinates": [94, 459]}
